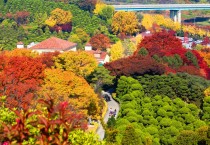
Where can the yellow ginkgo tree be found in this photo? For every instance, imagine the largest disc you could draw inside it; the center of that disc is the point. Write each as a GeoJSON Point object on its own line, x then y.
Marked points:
{"type": "Point", "coordinates": [59, 17]}
{"type": "Point", "coordinates": [67, 86]}
{"type": "Point", "coordinates": [81, 63]}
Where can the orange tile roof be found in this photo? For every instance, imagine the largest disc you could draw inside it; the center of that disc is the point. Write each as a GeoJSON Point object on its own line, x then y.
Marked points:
{"type": "Point", "coordinates": [55, 43]}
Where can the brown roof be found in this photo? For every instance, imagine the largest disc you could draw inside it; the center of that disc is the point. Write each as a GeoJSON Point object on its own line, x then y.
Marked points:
{"type": "Point", "coordinates": [54, 43]}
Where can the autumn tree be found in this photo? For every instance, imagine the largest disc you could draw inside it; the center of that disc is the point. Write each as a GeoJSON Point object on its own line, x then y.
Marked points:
{"type": "Point", "coordinates": [21, 17]}
{"type": "Point", "coordinates": [21, 52]}
{"type": "Point", "coordinates": [100, 42]}
{"type": "Point", "coordinates": [125, 22]}
{"type": "Point", "coordinates": [207, 92]}
{"type": "Point", "coordinates": [149, 21]}
{"type": "Point", "coordinates": [48, 58]}
{"type": "Point", "coordinates": [80, 62]}
{"type": "Point", "coordinates": [20, 78]}
{"type": "Point", "coordinates": [135, 66]}
{"type": "Point", "coordinates": [117, 51]}
{"type": "Point", "coordinates": [159, 42]}
{"type": "Point", "coordinates": [67, 86]}
{"type": "Point", "coordinates": [59, 17]}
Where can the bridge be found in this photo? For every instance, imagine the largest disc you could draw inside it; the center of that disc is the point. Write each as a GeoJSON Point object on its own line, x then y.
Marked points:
{"type": "Point", "coordinates": [175, 9]}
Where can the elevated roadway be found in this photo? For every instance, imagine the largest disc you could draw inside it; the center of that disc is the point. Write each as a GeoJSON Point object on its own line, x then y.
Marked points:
{"type": "Point", "coordinates": [175, 9]}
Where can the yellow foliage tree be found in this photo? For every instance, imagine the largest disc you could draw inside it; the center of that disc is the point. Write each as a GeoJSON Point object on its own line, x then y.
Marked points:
{"type": "Point", "coordinates": [139, 38]}
{"type": "Point", "coordinates": [99, 7]}
{"type": "Point", "coordinates": [125, 22]}
{"type": "Point", "coordinates": [207, 92]}
{"type": "Point", "coordinates": [147, 21]}
{"type": "Point", "coordinates": [81, 63]}
{"type": "Point", "coordinates": [59, 17]}
{"type": "Point", "coordinates": [66, 86]}
{"type": "Point", "coordinates": [206, 57]}
{"type": "Point", "coordinates": [117, 51]}
{"type": "Point", "coordinates": [21, 52]}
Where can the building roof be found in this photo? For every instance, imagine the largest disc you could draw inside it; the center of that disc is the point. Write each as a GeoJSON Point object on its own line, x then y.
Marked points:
{"type": "Point", "coordinates": [20, 43]}
{"type": "Point", "coordinates": [54, 43]}
{"type": "Point", "coordinates": [102, 54]}
{"type": "Point", "coordinates": [88, 44]}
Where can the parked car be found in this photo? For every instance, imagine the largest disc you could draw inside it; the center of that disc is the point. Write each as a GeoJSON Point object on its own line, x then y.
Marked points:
{"type": "Point", "coordinates": [107, 98]}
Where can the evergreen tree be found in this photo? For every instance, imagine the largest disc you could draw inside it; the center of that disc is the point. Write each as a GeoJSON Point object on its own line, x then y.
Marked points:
{"type": "Point", "coordinates": [130, 137]}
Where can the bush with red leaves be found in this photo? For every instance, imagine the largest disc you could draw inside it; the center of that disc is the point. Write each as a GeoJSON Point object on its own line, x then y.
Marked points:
{"type": "Point", "coordinates": [53, 125]}
{"type": "Point", "coordinates": [190, 70]}
{"type": "Point", "coordinates": [135, 66]}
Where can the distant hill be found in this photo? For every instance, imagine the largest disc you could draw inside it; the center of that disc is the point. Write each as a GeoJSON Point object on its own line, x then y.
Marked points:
{"type": "Point", "coordinates": [156, 1]}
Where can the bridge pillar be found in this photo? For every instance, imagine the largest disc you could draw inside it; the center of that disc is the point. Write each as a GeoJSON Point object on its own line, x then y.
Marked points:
{"type": "Point", "coordinates": [176, 15]}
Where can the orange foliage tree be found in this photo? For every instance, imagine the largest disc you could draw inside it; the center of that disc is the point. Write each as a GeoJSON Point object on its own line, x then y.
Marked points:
{"type": "Point", "coordinates": [100, 42]}
{"type": "Point", "coordinates": [20, 78]}
{"type": "Point", "coordinates": [66, 86]}
{"type": "Point", "coordinates": [21, 52]}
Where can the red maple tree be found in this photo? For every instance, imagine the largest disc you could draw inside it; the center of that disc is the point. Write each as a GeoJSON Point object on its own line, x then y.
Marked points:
{"type": "Point", "coordinates": [159, 43]}
{"type": "Point", "coordinates": [20, 77]}
{"type": "Point", "coordinates": [134, 66]}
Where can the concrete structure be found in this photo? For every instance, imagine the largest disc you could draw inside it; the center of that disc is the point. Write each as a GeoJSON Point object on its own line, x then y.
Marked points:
{"type": "Point", "coordinates": [176, 15]}
{"type": "Point", "coordinates": [54, 44]}
{"type": "Point", "coordinates": [175, 9]}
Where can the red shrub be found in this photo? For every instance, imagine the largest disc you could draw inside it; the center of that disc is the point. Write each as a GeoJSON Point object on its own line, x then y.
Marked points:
{"type": "Point", "coordinates": [190, 70]}
{"type": "Point", "coordinates": [135, 65]}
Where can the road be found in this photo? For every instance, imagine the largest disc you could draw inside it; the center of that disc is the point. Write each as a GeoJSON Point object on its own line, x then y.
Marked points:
{"type": "Point", "coordinates": [112, 105]}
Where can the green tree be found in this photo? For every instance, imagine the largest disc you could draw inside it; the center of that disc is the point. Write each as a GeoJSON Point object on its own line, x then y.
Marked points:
{"type": "Point", "coordinates": [187, 137]}
{"type": "Point", "coordinates": [79, 137]}
{"type": "Point", "coordinates": [100, 77]}
{"type": "Point", "coordinates": [130, 137]}
{"type": "Point", "coordinates": [111, 122]}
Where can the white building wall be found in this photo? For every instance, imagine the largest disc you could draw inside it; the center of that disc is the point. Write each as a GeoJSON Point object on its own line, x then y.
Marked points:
{"type": "Point", "coordinates": [87, 48]}
{"type": "Point", "coordinates": [20, 46]}
{"type": "Point", "coordinates": [107, 59]}
{"type": "Point", "coordinates": [73, 49]}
